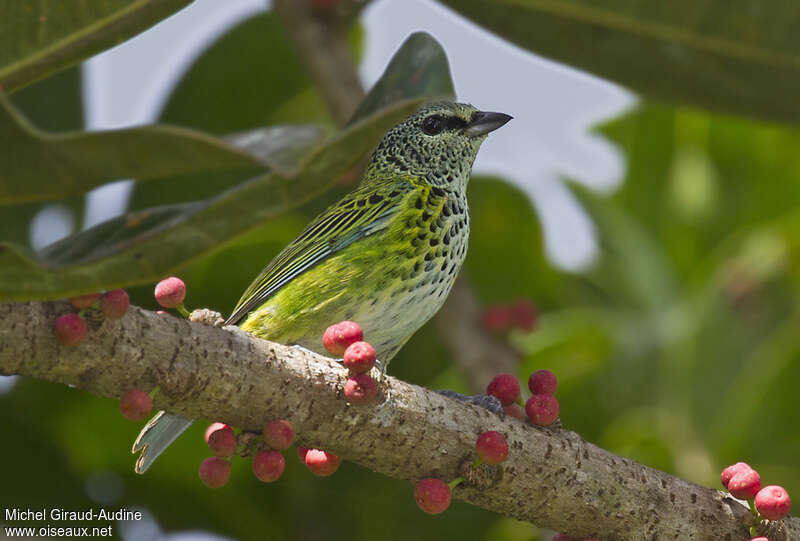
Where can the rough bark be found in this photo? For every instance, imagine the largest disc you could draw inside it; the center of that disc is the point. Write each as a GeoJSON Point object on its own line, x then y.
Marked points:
{"type": "Point", "coordinates": [552, 478]}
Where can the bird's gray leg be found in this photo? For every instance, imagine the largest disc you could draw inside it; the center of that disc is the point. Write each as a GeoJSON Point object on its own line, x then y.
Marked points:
{"type": "Point", "coordinates": [306, 350]}
{"type": "Point", "coordinates": [491, 403]}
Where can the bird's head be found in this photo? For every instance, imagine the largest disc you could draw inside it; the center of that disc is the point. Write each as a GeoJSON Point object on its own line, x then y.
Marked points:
{"type": "Point", "coordinates": [439, 142]}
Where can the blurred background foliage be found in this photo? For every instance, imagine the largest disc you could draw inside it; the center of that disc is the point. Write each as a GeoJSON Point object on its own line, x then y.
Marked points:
{"type": "Point", "coordinates": [679, 348]}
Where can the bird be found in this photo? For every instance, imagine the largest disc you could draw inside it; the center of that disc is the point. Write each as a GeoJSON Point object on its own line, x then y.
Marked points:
{"type": "Point", "coordinates": [385, 256]}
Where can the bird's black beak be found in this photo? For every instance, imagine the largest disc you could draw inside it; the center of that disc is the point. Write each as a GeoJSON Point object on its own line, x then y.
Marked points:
{"type": "Point", "coordinates": [484, 122]}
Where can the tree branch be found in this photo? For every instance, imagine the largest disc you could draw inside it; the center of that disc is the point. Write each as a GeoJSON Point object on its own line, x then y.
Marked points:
{"type": "Point", "coordinates": [321, 42]}
{"type": "Point", "coordinates": [552, 478]}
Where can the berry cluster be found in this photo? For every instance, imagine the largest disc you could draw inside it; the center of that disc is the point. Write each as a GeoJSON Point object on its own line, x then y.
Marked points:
{"type": "Point", "coordinates": [347, 339]}
{"type": "Point", "coordinates": [268, 461]}
{"type": "Point", "coordinates": [770, 502]}
{"type": "Point", "coordinates": [501, 318]}
{"type": "Point", "coordinates": [70, 329]}
{"type": "Point", "coordinates": [433, 495]}
{"type": "Point", "coordinates": [541, 408]}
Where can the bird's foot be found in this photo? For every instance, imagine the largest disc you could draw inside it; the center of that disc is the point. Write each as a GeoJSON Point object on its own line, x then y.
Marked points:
{"type": "Point", "coordinates": [486, 401]}
{"type": "Point", "coordinates": [298, 347]}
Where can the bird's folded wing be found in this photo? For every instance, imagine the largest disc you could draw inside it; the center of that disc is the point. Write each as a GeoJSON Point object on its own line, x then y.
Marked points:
{"type": "Point", "coordinates": [363, 212]}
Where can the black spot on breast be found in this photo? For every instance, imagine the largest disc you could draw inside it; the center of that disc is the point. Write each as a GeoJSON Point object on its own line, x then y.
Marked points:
{"type": "Point", "coordinates": [361, 202]}
{"type": "Point", "coordinates": [433, 242]}
{"type": "Point", "coordinates": [375, 199]}
{"type": "Point", "coordinates": [428, 256]}
{"type": "Point", "coordinates": [418, 203]}
{"type": "Point", "coordinates": [394, 193]}
{"type": "Point", "coordinates": [437, 191]}
{"type": "Point", "coordinates": [426, 216]}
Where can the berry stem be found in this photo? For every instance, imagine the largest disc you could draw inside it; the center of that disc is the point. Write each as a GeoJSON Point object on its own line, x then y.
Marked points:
{"type": "Point", "coordinates": [182, 309]}
{"type": "Point", "coordinates": [478, 461]}
{"type": "Point", "coordinates": [455, 482]}
{"type": "Point", "coordinates": [154, 391]}
{"type": "Point", "coordinates": [754, 510]}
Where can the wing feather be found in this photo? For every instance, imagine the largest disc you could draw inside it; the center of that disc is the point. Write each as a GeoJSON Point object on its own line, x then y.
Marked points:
{"type": "Point", "coordinates": [363, 212]}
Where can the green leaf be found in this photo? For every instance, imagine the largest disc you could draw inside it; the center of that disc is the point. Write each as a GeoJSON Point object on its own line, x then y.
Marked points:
{"type": "Point", "coordinates": [39, 38]}
{"type": "Point", "coordinates": [226, 91]}
{"type": "Point", "coordinates": [143, 246]}
{"type": "Point", "coordinates": [418, 68]}
{"type": "Point", "coordinates": [38, 166]}
{"type": "Point", "coordinates": [739, 57]}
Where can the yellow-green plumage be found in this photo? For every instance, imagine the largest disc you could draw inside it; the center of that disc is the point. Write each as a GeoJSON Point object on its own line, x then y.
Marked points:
{"type": "Point", "coordinates": [385, 256]}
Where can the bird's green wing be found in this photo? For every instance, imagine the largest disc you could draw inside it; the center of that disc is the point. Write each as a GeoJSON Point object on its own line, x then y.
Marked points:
{"type": "Point", "coordinates": [363, 212]}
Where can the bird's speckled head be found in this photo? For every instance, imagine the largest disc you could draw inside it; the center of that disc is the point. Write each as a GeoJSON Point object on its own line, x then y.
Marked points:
{"type": "Point", "coordinates": [439, 142]}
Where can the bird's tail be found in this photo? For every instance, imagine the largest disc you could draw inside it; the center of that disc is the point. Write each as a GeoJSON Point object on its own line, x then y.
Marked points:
{"type": "Point", "coordinates": [156, 436]}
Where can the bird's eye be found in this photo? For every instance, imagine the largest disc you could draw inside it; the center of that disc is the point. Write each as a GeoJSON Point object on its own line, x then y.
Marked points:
{"type": "Point", "coordinates": [433, 125]}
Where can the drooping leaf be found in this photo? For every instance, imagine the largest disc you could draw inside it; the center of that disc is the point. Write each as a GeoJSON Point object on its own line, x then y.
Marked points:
{"type": "Point", "coordinates": [37, 166]}
{"type": "Point", "coordinates": [741, 57]}
{"type": "Point", "coordinates": [39, 38]}
{"type": "Point", "coordinates": [143, 246]}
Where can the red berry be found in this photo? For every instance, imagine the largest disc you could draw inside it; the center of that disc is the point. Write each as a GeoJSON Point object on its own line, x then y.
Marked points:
{"type": "Point", "coordinates": [321, 463]}
{"type": "Point", "coordinates": [760, 538]}
{"type": "Point", "coordinates": [505, 387]}
{"type": "Point", "coordinates": [561, 537]}
{"type": "Point", "coordinates": [162, 313]}
{"type": "Point", "coordinates": [773, 502]}
{"type": "Point", "coordinates": [268, 465]}
{"type": "Point", "coordinates": [214, 472]}
{"type": "Point", "coordinates": [170, 292]}
{"type": "Point", "coordinates": [135, 405]}
{"type": "Point", "coordinates": [542, 409]}
{"type": "Point", "coordinates": [524, 315]}
{"type": "Point", "coordinates": [222, 442]}
{"type": "Point", "coordinates": [359, 357]}
{"type": "Point", "coordinates": [516, 411]}
{"type": "Point", "coordinates": [114, 303]}
{"type": "Point", "coordinates": [492, 447]}
{"type": "Point", "coordinates": [543, 382]}
{"type": "Point", "coordinates": [301, 453]}
{"type": "Point", "coordinates": [732, 470]}
{"type": "Point", "coordinates": [360, 389]}
{"type": "Point", "coordinates": [279, 434]}
{"type": "Point", "coordinates": [84, 301]}
{"type": "Point", "coordinates": [432, 495]}
{"type": "Point", "coordinates": [339, 336]}
{"type": "Point", "coordinates": [744, 484]}
{"type": "Point", "coordinates": [213, 427]}
{"type": "Point", "coordinates": [70, 329]}
{"type": "Point", "coordinates": [497, 318]}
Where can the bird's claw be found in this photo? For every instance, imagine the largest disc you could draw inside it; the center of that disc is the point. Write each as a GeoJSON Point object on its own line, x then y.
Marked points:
{"type": "Point", "coordinates": [489, 402]}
